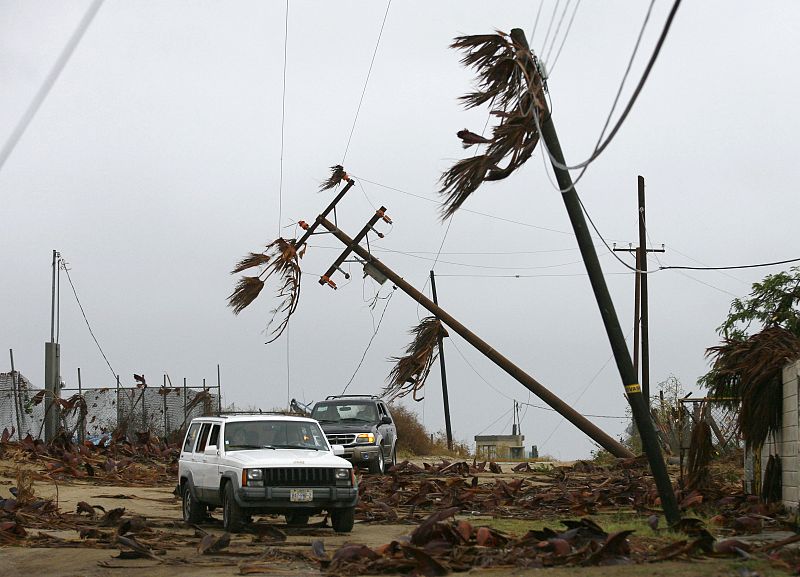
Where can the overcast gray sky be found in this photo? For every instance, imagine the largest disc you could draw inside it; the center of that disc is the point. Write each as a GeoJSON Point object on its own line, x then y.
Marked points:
{"type": "Point", "coordinates": [154, 165]}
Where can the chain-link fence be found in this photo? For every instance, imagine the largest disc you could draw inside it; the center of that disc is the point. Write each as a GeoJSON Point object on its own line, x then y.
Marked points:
{"type": "Point", "coordinates": [722, 416]}
{"type": "Point", "coordinates": [21, 409]}
{"type": "Point", "coordinates": [91, 413]}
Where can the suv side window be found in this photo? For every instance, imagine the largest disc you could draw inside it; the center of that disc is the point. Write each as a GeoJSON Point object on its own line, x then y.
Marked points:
{"type": "Point", "coordinates": [213, 439]}
{"type": "Point", "coordinates": [191, 437]}
{"type": "Point", "coordinates": [384, 410]}
{"type": "Point", "coordinates": [201, 444]}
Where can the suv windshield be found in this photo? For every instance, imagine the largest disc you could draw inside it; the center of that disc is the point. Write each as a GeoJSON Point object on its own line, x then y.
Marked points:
{"type": "Point", "coordinates": [345, 412]}
{"type": "Point", "coordinates": [242, 435]}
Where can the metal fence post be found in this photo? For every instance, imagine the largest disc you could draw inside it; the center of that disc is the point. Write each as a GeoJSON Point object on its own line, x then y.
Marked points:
{"type": "Point", "coordinates": [185, 416]}
{"type": "Point", "coordinates": [219, 392]}
{"type": "Point", "coordinates": [81, 415]}
{"type": "Point", "coordinates": [118, 406]}
{"type": "Point", "coordinates": [164, 394]}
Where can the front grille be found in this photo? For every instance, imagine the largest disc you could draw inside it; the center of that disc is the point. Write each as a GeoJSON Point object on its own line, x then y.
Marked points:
{"type": "Point", "coordinates": [299, 477]}
{"type": "Point", "coordinates": [341, 438]}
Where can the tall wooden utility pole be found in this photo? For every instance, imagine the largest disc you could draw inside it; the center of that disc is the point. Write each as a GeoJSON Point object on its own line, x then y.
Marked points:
{"type": "Point", "coordinates": [590, 429]}
{"type": "Point", "coordinates": [630, 380]}
{"type": "Point", "coordinates": [641, 305]}
{"type": "Point", "coordinates": [52, 365]}
{"type": "Point", "coordinates": [446, 399]}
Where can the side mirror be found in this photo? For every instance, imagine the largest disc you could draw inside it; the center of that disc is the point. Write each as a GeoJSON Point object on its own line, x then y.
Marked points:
{"type": "Point", "coordinates": [338, 450]}
{"type": "Point", "coordinates": [386, 420]}
{"type": "Point", "coordinates": [211, 450]}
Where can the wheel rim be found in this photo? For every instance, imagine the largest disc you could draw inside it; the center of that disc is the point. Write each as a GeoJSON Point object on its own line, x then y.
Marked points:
{"type": "Point", "coordinates": [381, 464]}
{"type": "Point", "coordinates": [186, 497]}
{"type": "Point", "coordinates": [226, 513]}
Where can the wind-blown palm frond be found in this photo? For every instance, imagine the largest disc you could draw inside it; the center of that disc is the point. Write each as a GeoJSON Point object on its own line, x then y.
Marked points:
{"type": "Point", "coordinates": [508, 79]}
{"type": "Point", "coordinates": [279, 258]}
{"type": "Point", "coordinates": [750, 369]}
{"type": "Point", "coordinates": [410, 371]}
{"type": "Point", "coordinates": [337, 175]}
{"type": "Point", "coordinates": [251, 260]}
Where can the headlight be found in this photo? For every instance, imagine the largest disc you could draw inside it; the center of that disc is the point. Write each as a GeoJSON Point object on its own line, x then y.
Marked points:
{"type": "Point", "coordinates": [344, 477]}
{"type": "Point", "coordinates": [365, 438]}
{"type": "Point", "coordinates": [252, 478]}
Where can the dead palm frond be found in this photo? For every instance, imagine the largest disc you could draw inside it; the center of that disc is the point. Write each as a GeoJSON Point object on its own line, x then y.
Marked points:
{"type": "Point", "coordinates": [410, 371]}
{"type": "Point", "coordinates": [507, 77]}
{"type": "Point", "coordinates": [278, 258]}
{"type": "Point", "coordinates": [337, 175]}
{"type": "Point", "coordinates": [701, 451]}
{"type": "Point", "coordinates": [750, 369]}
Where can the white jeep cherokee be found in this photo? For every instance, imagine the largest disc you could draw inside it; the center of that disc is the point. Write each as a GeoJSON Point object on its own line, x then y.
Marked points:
{"type": "Point", "coordinates": [264, 464]}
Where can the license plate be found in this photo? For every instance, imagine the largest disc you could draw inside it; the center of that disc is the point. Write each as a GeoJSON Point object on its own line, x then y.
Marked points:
{"type": "Point", "coordinates": [301, 495]}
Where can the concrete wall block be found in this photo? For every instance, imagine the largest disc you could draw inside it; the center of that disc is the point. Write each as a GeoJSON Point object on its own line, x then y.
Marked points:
{"type": "Point", "coordinates": [788, 433]}
{"type": "Point", "coordinates": [790, 373]}
{"type": "Point", "coordinates": [789, 464]}
{"type": "Point", "coordinates": [788, 449]}
{"type": "Point", "coordinates": [790, 497]}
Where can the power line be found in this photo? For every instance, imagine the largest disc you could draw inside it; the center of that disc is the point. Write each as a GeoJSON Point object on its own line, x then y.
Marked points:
{"type": "Point", "coordinates": [364, 91]}
{"type": "Point", "coordinates": [602, 144]}
{"type": "Point", "coordinates": [558, 29]}
{"type": "Point", "coordinates": [474, 370]}
{"type": "Point", "coordinates": [582, 414]}
{"type": "Point", "coordinates": [80, 306]}
{"type": "Point", "coordinates": [460, 253]}
{"type": "Point", "coordinates": [493, 422]}
{"type": "Point", "coordinates": [49, 81]}
{"type": "Point", "coordinates": [550, 26]}
{"type": "Point", "coordinates": [563, 40]}
{"type": "Point", "coordinates": [730, 267]}
{"type": "Point", "coordinates": [526, 275]}
{"type": "Point", "coordinates": [369, 344]}
{"type": "Point", "coordinates": [536, 21]}
{"type": "Point", "coordinates": [283, 116]}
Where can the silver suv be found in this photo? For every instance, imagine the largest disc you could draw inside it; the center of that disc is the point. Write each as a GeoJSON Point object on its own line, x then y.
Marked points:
{"type": "Point", "coordinates": [264, 464]}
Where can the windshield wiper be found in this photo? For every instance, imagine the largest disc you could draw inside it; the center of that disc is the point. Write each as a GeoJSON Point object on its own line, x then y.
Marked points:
{"type": "Point", "coordinates": [357, 420]}
{"type": "Point", "coordinates": [230, 447]}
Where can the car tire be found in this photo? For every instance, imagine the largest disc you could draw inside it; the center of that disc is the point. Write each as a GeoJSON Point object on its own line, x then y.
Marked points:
{"type": "Point", "coordinates": [394, 456]}
{"type": "Point", "coordinates": [377, 466]}
{"type": "Point", "coordinates": [193, 510]}
{"type": "Point", "coordinates": [296, 519]}
{"type": "Point", "coordinates": [233, 518]}
{"type": "Point", "coordinates": [342, 520]}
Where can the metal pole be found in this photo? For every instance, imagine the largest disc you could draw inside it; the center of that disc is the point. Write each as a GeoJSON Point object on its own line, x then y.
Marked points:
{"type": "Point", "coordinates": [219, 392]}
{"type": "Point", "coordinates": [164, 391]}
{"type": "Point", "coordinates": [608, 313]}
{"type": "Point", "coordinates": [185, 416]}
{"type": "Point", "coordinates": [445, 397]}
{"type": "Point", "coordinates": [604, 440]}
{"type": "Point", "coordinates": [53, 302]}
{"type": "Point", "coordinates": [119, 410]}
{"type": "Point", "coordinates": [82, 424]}
{"type": "Point", "coordinates": [17, 397]}
{"type": "Point", "coordinates": [645, 331]}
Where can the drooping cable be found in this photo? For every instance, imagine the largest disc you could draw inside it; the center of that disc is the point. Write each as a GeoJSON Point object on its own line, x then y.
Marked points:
{"type": "Point", "coordinates": [86, 320]}
{"type": "Point", "coordinates": [283, 118]}
{"type": "Point", "coordinates": [366, 81]}
{"type": "Point", "coordinates": [369, 344]}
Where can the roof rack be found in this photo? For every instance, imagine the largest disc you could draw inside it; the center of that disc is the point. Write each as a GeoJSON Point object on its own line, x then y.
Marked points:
{"type": "Point", "coordinates": [376, 397]}
{"type": "Point", "coordinates": [225, 414]}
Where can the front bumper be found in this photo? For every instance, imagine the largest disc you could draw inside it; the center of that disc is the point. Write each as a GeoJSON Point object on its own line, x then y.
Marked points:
{"type": "Point", "coordinates": [361, 455]}
{"type": "Point", "coordinates": [277, 498]}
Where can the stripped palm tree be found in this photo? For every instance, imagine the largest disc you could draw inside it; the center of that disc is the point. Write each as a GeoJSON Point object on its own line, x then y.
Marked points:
{"type": "Point", "coordinates": [410, 371]}
{"type": "Point", "coordinates": [507, 80]}
{"type": "Point", "coordinates": [281, 257]}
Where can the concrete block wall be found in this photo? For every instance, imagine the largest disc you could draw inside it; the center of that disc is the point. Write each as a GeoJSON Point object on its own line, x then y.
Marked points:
{"type": "Point", "coordinates": [787, 443]}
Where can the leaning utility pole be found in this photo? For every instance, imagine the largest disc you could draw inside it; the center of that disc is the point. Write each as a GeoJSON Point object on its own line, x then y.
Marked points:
{"type": "Point", "coordinates": [630, 381]}
{"type": "Point", "coordinates": [446, 399]}
{"type": "Point", "coordinates": [590, 429]}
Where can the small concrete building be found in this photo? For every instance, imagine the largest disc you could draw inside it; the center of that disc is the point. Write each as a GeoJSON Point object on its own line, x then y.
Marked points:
{"type": "Point", "coordinates": [494, 447]}
{"type": "Point", "coordinates": [787, 442]}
